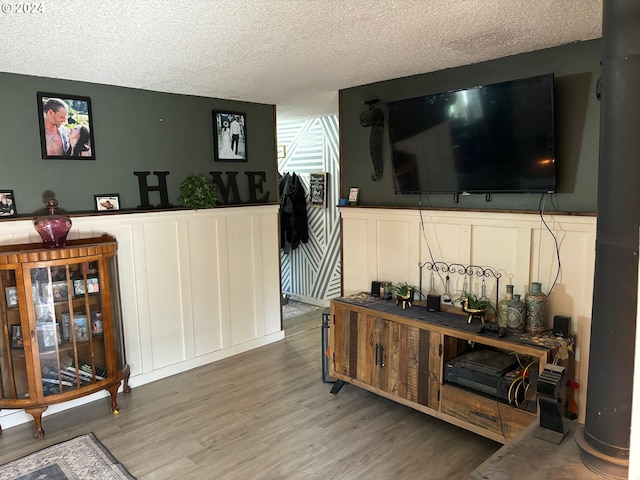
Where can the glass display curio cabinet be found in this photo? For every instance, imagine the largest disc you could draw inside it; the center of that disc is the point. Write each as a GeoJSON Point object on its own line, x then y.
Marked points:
{"type": "Point", "coordinates": [61, 325]}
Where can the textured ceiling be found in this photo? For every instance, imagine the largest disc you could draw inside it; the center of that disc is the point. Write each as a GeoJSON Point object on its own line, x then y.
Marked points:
{"type": "Point", "coordinates": [295, 54]}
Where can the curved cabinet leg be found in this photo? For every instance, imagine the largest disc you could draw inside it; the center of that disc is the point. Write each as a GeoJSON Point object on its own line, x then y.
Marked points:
{"type": "Point", "coordinates": [125, 388]}
{"type": "Point", "coordinates": [113, 390]}
{"type": "Point", "coordinates": [36, 413]}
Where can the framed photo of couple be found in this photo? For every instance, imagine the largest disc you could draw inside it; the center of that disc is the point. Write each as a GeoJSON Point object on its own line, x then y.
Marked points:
{"type": "Point", "coordinates": [66, 126]}
{"type": "Point", "coordinates": [230, 136]}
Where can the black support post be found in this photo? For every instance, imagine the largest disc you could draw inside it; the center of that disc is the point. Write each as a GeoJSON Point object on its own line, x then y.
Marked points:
{"type": "Point", "coordinates": [604, 440]}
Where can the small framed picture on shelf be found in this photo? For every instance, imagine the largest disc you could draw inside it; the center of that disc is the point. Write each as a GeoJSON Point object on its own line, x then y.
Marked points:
{"type": "Point", "coordinates": [97, 323]}
{"type": "Point", "coordinates": [7, 204]}
{"type": "Point", "coordinates": [17, 340]}
{"type": "Point", "coordinates": [78, 287]}
{"type": "Point", "coordinates": [66, 327]}
{"type": "Point", "coordinates": [60, 291]}
{"type": "Point", "coordinates": [47, 335]}
{"type": "Point", "coordinates": [43, 312]}
{"type": "Point", "coordinates": [353, 196]}
{"type": "Point", "coordinates": [107, 202]}
{"type": "Point", "coordinates": [11, 293]}
{"type": "Point", "coordinates": [81, 328]}
{"type": "Point", "coordinates": [93, 285]}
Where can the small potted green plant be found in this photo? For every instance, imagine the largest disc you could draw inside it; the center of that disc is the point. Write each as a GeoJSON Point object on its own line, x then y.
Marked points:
{"type": "Point", "coordinates": [405, 293]}
{"type": "Point", "coordinates": [197, 192]}
{"type": "Point", "coordinates": [474, 306]}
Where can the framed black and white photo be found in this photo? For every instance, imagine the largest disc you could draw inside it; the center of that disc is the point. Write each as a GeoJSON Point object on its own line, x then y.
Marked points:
{"type": "Point", "coordinates": [66, 126]}
{"type": "Point", "coordinates": [318, 189]}
{"type": "Point", "coordinates": [7, 204]}
{"type": "Point", "coordinates": [230, 136]}
{"type": "Point", "coordinates": [106, 202]}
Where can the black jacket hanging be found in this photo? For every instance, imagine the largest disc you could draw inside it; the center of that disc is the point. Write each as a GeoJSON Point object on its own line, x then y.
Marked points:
{"type": "Point", "coordinates": [293, 212]}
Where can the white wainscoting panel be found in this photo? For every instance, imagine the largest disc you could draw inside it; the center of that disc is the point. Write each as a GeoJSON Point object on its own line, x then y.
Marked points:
{"type": "Point", "coordinates": [196, 286]}
{"type": "Point", "coordinates": [389, 244]}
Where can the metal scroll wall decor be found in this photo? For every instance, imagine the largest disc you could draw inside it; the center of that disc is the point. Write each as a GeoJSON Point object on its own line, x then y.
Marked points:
{"type": "Point", "coordinates": [468, 271]}
{"type": "Point", "coordinates": [374, 118]}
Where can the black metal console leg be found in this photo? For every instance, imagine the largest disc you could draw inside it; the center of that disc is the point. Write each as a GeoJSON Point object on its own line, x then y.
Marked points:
{"type": "Point", "coordinates": [337, 386]}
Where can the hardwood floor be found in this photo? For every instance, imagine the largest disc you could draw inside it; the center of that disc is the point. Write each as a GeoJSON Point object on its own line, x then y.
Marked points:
{"type": "Point", "coordinates": [264, 414]}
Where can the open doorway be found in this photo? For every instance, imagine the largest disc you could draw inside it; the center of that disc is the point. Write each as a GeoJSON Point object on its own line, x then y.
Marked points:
{"type": "Point", "coordinates": [311, 273]}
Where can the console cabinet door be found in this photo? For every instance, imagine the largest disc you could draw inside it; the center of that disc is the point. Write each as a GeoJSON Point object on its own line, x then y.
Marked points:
{"type": "Point", "coordinates": [410, 363]}
{"type": "Point", "coordinates": [344, 327]}
{"type": "Point", "coordinates": [399, 359]}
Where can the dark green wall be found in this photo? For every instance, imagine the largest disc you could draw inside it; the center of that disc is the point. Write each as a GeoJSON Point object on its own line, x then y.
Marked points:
{"type": "Point", "coordinates": [577, 115]}
{"type": "Point", "coordinates": [134, 130]}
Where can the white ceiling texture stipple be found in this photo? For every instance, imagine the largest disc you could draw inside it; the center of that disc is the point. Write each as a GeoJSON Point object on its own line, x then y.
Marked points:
{"type": "Point", "coordinates": [295, 54]}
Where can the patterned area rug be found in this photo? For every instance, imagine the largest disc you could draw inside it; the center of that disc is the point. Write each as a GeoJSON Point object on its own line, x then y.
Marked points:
{"type": "Point", "coordinates": [81, 458]}
{"type": "Point", "coordinates": [294, 308]}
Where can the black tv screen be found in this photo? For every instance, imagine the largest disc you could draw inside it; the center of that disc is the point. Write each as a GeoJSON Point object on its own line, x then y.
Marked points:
{"type": "Point", "coordinates": [487, 139]}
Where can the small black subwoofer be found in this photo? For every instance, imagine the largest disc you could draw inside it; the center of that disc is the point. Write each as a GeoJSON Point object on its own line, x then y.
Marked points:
{"type": "Point", "coordinates": [561, 326]}
{"type": "Point", "coordinates": [433, 303]}
{"type": "Point", "coordinates": [375, 288]}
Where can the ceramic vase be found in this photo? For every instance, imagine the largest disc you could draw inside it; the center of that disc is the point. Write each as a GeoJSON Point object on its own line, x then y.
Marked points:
{"type": "Point", "coordinates": [503, 305]}
{"type": "Point", "coordinates": [535, 301]}
{"type": "Point", "coordinates": [516, 313]}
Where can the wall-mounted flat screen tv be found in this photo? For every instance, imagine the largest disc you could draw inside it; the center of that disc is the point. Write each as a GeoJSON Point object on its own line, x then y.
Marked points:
{"type": "Point", "coordinates": [487, 139]}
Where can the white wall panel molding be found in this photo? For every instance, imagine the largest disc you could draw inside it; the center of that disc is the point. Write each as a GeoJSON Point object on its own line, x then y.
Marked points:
{"type": "Point", "coordinates": [388, 245]}
{"type": "Point", "coordinates": [196, 286]}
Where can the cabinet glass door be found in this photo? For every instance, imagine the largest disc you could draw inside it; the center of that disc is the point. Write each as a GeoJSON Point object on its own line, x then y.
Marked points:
{"type": "Point", "coordinates": [69, 326]}
{"type": "Point", "coordinates": [13, 367]}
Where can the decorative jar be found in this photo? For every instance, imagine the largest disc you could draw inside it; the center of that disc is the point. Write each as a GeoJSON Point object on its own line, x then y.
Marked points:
{"type": "Point", "coordinates": [516, 313]}
{"type": "Point", "coordinates": [503, 307]}
{"type": "Point", "coordinates": [53, 228]}
{"type": "Point", "coordinates": [535, 301]}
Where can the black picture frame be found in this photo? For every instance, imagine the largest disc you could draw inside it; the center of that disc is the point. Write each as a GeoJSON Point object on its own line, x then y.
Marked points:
{"type": "Point", "coordinates": [17, 339]}
{"type": "Point", "coordinates": [92, 286]}
{"type": "Point", "coordinates": [60, 291]}
{"type": "Point", "coordinates": [7, 204]}
{"type": "Point", "coordinates": [48, 335]}
{"type": "Point", "coordinates": [226, 147]}
{"type": "Point", "coordinates": [76, 125]}
{"type": "Point", "coordinates": [78, 287]}
{"type": "Point", "coordinates": [106, 202]}
{"type": "Point", "coordinates": [81, 328]}
{"type": "Point", "coordinates": [318, 189]}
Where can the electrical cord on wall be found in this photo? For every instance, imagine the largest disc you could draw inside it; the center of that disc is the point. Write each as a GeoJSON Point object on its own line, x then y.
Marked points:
{"type": "Point", "coordinates": [424, 235]}
{"type": "Point", "coordinates": [555, 240]}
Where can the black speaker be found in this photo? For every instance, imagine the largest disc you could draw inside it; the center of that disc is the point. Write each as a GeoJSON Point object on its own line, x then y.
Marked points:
{"type": "Point", "coordinates": [375, 288]}
{"type": "Point", "coordinates": [561, 326]}
{"type": "Point", "coordinates": [433, 303]}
